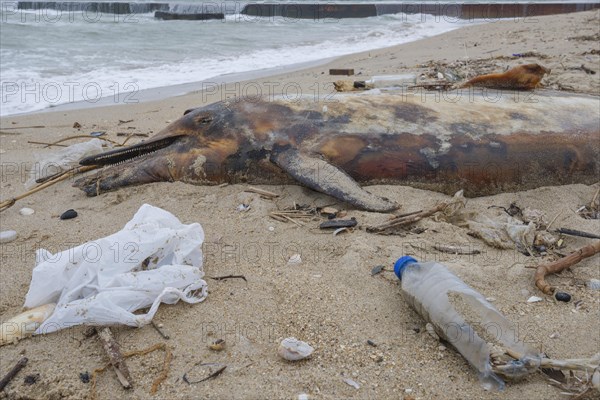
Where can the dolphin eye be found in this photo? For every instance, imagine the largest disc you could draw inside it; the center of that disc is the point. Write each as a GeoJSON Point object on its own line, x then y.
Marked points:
{"type": "Point", "coordinates": [203, 119]}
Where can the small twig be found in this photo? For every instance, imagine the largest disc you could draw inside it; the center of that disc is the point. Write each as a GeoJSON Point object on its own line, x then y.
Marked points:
{"type": "Point", "coordinates": [25, 127]}
{"type": "Point", "coordinates": [222, 278]}
{"type": "Point", "coordinates": [407, 220]}
{"type": "Point", "coordinates": [455, 249]}
{"type": "Point", "coordinates": [574, 232]}
{"type": "Point", "coordinates": [77, 170]}
{"type": "Point", "coordinates": [13, 372]}
{"type": "Point", "coordinates": [160, 332]}
{"type": "Point", "coordinates": [554, 219]}
{"type": "Point", "coordinates": [261, 192]}
{"type": "Point", "coordinates": [82, 137]}
{"type": "Point", "coordinates": [116, 359]}
{"type": "Point", "coordinates": [562, 264]}
{"type": "Point", "coordinates": [218, 372]}
{"type": "Point", "coordinates": [46, 143]}
{"type": "Point", "coordinates": [163, 375]}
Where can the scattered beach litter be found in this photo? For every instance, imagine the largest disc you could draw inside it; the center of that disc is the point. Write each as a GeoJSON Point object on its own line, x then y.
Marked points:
{"type": "Point", "coordinates": [159, 260]}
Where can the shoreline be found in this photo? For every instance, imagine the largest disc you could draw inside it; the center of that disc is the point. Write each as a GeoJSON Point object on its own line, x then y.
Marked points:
{"type": "Point", "coordinates": [330, 300]}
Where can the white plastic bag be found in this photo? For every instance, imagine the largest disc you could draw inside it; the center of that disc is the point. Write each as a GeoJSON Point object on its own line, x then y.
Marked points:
{"type": "Point", "coordinates": [153, 259]}
{"type": "Point", "coordinates": [62, 160]}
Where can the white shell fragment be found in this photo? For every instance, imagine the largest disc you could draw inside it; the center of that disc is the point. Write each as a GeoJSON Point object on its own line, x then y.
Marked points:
{"type": "Point", "coordinates": [295, 259]}
{"type": "Point", "coordinates": [24, 324]}
{"type": "Point", "coordinates": [7, 236]}
{"type": "Point", "coordinates": [26, 211]}
{"type": "Point", "coordinates": [293, 349]}
{"type": "Point", "coordinates": [594, 284]}
{"type": "Point", "coordinates": [534, 299]}
{"type": "Point", "coordinates": [352, 383]}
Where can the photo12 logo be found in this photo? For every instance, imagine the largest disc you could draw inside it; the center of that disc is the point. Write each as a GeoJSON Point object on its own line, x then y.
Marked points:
{"type": "Point", "coordinates": [54, 93]}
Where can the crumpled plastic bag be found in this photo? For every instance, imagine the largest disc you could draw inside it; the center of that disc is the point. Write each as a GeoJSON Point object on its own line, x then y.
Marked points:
{"type": "Point", "coordinates": [62, 160]}
{"type": "Point", "coordinates": [503, 232]}
{"type": "Point", "coordinates": [153, 259]}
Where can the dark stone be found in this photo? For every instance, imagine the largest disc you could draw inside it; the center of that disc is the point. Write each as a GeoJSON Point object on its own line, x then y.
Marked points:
{"type": "Point", "coordinates": [84, 377]}
{"type": "Point", "coordinates": [31, 379]}
{"type": "Point", "coordinates": [338, 223]}
{"type": "Point", "coordinates": [562, 296]}
{"type": "Point", "coordinates": [69, 214]}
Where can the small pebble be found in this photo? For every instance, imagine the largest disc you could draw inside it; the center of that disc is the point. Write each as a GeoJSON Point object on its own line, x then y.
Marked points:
{"type": "Point", "coordinates": [555, 335]}
{"type": "Point", "coordinates": [562, 296]}
{"type": "Point", "coordinates": [7, 236]}
{"type": "Point", "coordinates": [69, 214]}
{"type": "Point", "coordinates": [376, 270]}
{"type": "Point", "coordinates": [26, 211]}
{"type": "Point", "coordinates": [31, 379]}
{"type": "Point", "coordinates": [371, 343]}
{"type": "Point", "coordinates": [302, 396]}
{"type": "Point", "coordinates": [534, 299]}
{"type": "Point", "coordinates": [271, 229]}
{"type": "Point", "coordinates": [84, 377]}
{"type": "Point", "coordinates": [97, 134]}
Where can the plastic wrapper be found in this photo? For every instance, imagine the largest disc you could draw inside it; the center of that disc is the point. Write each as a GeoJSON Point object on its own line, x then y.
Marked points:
{"type": "Point", "coordinates": [62, 160]}
{"type": "Point", "coordinates": [153, 259]}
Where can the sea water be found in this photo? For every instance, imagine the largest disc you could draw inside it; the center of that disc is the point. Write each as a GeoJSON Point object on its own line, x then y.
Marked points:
{"type": "Point", "coordinates": [50, 57]}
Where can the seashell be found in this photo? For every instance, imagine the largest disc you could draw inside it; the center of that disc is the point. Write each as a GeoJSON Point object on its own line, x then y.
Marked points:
{"type": "Point", "coordinates": [534, 299]}
{"type": "Point", "coordinates": [293, 349]}
{"type": "Point", "coordinates": [352, 383]}
{"type": "Point", "coordinates": [596, 379]}
{"type": "Point", "coordinates": [24, 324]}
{"type": "Point", "coordinates": [7, 236]}
{"type": "Point", "coordinates": [295, 259]}
{"type": "Point", "coordinates": [217, 345]}
{"type": "Point", "coordinates": [26, 211]}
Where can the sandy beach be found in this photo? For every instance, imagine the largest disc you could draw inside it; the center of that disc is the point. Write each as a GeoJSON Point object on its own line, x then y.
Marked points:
{"type": "Point", "coordinates": [330, 300]}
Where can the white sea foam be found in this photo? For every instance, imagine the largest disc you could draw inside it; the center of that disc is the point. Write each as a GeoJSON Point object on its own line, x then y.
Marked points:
{"type": "Point", "coordinates": [48, 58]}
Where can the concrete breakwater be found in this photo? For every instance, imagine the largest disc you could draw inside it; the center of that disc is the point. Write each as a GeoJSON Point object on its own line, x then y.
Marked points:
{"type": "Point", "coordinates": [321, 10]}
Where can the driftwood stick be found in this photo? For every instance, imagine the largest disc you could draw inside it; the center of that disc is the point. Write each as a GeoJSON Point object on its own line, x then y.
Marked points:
{"type": "Point", "coordinates": [115, 357]}
{"type": "Point", "coordinates": [261, 192]}
{"type": "Point", "coordinates": [411, 218]}
{"type": "Point", "coordinates": [562, 264]}
{"type": "Point", "coordinates": [13, 372]}
{"type": "Point", "coordinates": [67, 174]}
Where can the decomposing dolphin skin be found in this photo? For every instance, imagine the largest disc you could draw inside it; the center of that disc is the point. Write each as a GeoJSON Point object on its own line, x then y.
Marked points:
{"type": "Point", "coordinates": [483, 142]}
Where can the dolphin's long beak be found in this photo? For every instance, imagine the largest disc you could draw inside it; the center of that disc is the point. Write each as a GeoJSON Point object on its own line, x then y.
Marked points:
{"type": "Point", "coordinates": [129, 152]}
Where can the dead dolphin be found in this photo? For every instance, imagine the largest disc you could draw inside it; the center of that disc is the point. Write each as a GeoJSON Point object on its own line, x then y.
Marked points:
{"type": "Point", "coordinates": [483, 142]}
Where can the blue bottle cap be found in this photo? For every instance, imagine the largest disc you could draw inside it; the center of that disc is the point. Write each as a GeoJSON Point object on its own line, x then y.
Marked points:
{"type": "Point", "coordinates": [401, 264]}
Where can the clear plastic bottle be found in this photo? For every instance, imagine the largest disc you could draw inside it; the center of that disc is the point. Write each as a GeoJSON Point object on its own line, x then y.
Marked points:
{"type": "Point", "coordinates": [426, 287]}
{"type": "Point", "coordinates": [387, 81]}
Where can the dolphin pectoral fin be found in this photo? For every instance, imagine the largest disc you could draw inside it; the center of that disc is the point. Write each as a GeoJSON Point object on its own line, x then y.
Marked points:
{"type": "Point", "coordinates": [154, 169]}
{"type": "Point", "coordinates": [324, 177]}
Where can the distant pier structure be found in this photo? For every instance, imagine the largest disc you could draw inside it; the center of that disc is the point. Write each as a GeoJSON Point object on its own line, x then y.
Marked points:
{"type": "Point", "coordinates": [322, 10]}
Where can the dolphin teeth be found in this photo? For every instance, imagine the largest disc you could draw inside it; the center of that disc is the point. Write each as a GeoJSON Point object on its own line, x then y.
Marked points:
{"type": "Point", "coordinates": [118, 156]}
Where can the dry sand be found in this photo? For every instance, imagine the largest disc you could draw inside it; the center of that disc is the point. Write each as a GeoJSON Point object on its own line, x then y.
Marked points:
{"type": "Point", "coordinates": [330, 300]}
